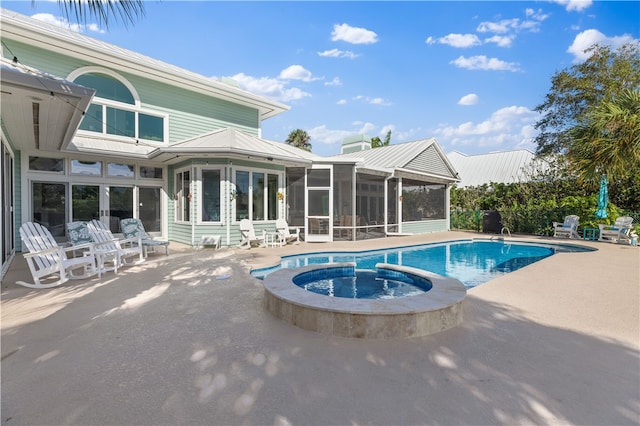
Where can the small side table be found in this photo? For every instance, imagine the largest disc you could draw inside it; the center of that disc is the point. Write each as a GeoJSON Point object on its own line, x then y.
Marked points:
{"type": "Point", "coordinates": [591, 234]}
{"type": "Point", "coordinates": [272, 239]}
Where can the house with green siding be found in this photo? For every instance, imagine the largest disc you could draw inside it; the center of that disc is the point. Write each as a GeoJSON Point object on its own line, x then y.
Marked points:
{"type": "Point", "coordinates": [93, 131]}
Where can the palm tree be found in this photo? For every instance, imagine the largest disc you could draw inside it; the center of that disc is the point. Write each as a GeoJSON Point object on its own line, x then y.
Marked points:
{"type": "Point", "coordinates": [126, 10]}
{"type": "Point", "coordinates": [377, 143]}
{"type": "Point", "coordinates": [608, 140]}
{"type": "Point", "coordinates": [300, 139]}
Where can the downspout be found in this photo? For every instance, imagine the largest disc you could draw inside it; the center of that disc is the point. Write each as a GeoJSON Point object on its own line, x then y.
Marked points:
{"type": "Point", "coordinates": [386, 204]}
{"type": "Point", "coordinates": [447, 206]}
{"type": "Point", "coordinates": [227, 198]}
{"type": "Point", "coordinates": [193, 209]}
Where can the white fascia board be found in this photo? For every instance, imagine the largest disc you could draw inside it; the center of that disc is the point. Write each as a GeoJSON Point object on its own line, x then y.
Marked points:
{"type": "Point", "coordinates": [231, 152]}
{"type": "Point", "coordinates": [400, 172]}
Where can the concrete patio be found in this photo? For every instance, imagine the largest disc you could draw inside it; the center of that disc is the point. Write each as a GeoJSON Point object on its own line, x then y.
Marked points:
{"type": "Point", "coordinates": [184, 339]}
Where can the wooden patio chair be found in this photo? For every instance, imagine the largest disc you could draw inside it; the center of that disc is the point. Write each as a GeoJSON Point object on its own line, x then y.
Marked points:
{"type": "Point", "coordinates": [248, 235]}
{"type": "Point", "coordinates": [47, 258]}
{"type": "Point", "coordinates": [287, 235]}
{"type": "Point", "coordinates": [568, 228]}
{"type": "Point", "coordinates": [79, 236]}
{"type": "Point", "coordinates": [127, 249]}
{"type": "Point", "coordinates": [133, 228]}
{"type": "Point", "coordinates": [620, 231]}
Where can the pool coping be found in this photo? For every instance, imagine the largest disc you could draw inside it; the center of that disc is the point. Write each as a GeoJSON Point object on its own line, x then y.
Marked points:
{"type": "Point", "coordinates": [554, 244]}
{"type": "Point", "coordinates": [436, 310]}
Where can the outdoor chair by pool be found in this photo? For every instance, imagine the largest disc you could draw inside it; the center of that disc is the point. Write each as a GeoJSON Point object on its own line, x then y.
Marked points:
{"type": "Point", "coordinates": [568, 229]}
{"type": "Point", "coordinates": [47, 258]}
{"type": "Point", "coordinates": [620, 231]}
{"type": "Point", "coordinates": [287, 235]}
{"type": "Point", "coordinates": [249, 237]}
{"type": "Point", "coordinates": [127, 249]}
{"type": "Point", "coordinates": [133, 228]}
{"type": "Point", "coordinates": [80, 237]}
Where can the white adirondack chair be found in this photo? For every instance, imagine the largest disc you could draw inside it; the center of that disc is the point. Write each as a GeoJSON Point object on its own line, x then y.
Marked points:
{"type": "Point", "coordinates": [619, 231]}
{"type": "Point", "coordinates": [249, 237]}
{"type": "Point", "coordinates": [79, 236]}
{"type": "Point", "coordinates": [287, 235]}
{"type": "Point", "coordinates": [127, 249]}
{"type": "Point", "coordinates": [47, 258]}
{"type": "Point", "coordinates": [568, 228]}
{"type": "Point", "coordinates": [133, 228]}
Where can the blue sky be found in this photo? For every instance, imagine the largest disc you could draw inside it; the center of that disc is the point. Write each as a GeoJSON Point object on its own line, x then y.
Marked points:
{"type": "Point", "coordinates": [467, 73]}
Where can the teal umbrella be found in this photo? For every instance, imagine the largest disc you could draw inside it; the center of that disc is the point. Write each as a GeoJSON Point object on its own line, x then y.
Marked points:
{"type": "Point", "coordinates": [603, 198]}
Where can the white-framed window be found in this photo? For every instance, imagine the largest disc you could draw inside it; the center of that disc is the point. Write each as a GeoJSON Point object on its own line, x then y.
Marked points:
{"type": "Point", "coordinates": [182, 195]}
{"type": "Point", "coordinates": [256, 194]}
{"type": "Point", "coordinates": [211, 201]}
{"type": "Point", "coordinates": [121, 170]}
{"type": "Point", "coordinates": [115, 109]}
{"type": "Point", "coordinates": [46, 164]}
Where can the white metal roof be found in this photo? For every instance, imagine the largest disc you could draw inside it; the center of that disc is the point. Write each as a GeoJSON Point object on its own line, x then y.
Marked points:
{"type": "Point", "coordinates": [70, 43]}
{"type": "Point", "coordinates": [234, 143]}
{"type": "Point", "coordinates": [40, 111]}
{"type": "Point", "coordinates": [499, 167]}
{"type": "Point", "coordinates": [418, 158]}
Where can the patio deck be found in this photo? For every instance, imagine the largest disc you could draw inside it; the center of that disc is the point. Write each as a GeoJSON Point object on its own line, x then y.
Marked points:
{"type": "Point", "coordinates": [174, 341]}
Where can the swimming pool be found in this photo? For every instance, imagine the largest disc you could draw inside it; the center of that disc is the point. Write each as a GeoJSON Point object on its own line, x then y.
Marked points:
{"type": "Point", "coordinates": [473, 262]}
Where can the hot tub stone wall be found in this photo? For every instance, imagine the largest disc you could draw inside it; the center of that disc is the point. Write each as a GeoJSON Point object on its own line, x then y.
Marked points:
{"type": "Point", "coordinates": [436, 310]}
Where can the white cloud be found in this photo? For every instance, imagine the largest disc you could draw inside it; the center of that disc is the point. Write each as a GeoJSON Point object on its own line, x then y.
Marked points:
{"type": "Point", "coordinates": [335, 82]}
{"type": "Point", "coordinates": [354, 35]}
{"type": "Point", "coordinates": [456, 40]}
{"type": "Point", "coordinates": [588, 38]}
{"type": "Point", "coordinates": [505, 26]}
{"type": "Point", "coordinates": [504, 31]}
{"type": "Point", "coordinates": [270, 87]}
{"type": "Point", "coordinates": [501, 41]}
{"type": "Point", "coordinates": [378, 101]}
{"type": "Point", "coordinates": [499, 27]}
{"type": "Point", "coordinates": [481, 62]}
{"type": "Point", "coordinates": [470, 99]}
{"type": "Point", "coordinates": [330, 137]}
{"type": "Point", "coordinates": [507, 128]}
{"type": "Point", "coordinates": [337, 53]}
{"type": "Point", "coordinates": [62, 22]}
{"type": "Point", "coordinates": [341, 102]}
{"type": "Point", "coordinates": [372, 101]}
{"type": "Point", "coordinates": [538, 15]}
{"type": "Point", "coordinates": [327, 136]}
{"type": "Point", "coordinates": [297, 72]}
{"type": "Point", "coordinates": [577, 5]}
{"type": "Point", "coordinates": [387, 128]}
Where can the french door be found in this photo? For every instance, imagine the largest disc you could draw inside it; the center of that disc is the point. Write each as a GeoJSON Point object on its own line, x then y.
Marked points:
{"type": "Point", "coordinates": [108, 203]}
{"type": "Point", "coordinates": [319, 206]}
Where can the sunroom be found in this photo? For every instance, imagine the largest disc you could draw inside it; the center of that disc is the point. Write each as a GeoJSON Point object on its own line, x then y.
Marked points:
{"type": "Point", "coordinates": [398, 189]}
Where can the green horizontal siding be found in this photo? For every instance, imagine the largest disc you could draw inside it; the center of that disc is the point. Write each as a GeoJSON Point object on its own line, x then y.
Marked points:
{"type": "Point", "coordinates": [425, 226]}
{"type": "Point", "coordinates": [190, 113]}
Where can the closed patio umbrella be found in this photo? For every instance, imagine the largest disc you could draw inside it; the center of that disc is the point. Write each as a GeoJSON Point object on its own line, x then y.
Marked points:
{"type": "Point", "coordinates": [603, 198]}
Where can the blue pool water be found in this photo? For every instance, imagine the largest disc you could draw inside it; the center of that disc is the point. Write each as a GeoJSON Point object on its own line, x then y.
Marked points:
{"type": "Point", "coordinates": [352, 284]}
{"type": "Point", "coordinates": [471, 262]}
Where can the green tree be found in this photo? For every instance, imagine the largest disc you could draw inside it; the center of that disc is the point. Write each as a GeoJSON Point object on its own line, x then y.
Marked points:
{"type": "Point", "coordinates": [128, 11]}
{"type": "Point", "coordinates": [300, 139]}
{"type": "Point", "coordinates": [607, 139]}
{"type": "Point", "coordinates": [377, 143]}
{"type": "Point", "coordinates": [577, 90]}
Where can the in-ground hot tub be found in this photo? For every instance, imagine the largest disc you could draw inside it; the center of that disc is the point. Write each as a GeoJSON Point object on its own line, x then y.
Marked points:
{"type": "Point", "coordinates": [436, 309]}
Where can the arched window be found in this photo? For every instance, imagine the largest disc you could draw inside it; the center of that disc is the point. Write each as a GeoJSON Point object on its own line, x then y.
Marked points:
{"type": "Point", "coordinates": [115, 109]}
{"type": "Point", "coordinates": [106, 87]}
